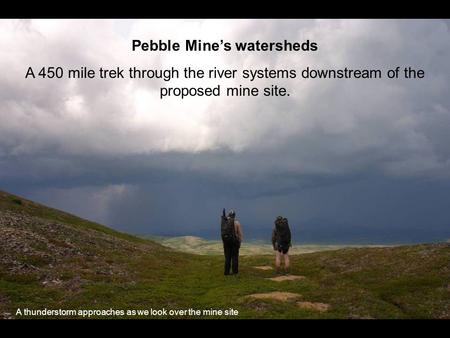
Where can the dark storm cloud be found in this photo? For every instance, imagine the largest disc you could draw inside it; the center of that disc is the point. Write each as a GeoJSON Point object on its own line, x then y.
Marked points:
{"type": "Point", "coordinates": [364, 207]}
{"type": "Point", "coordinates": [345, 160]}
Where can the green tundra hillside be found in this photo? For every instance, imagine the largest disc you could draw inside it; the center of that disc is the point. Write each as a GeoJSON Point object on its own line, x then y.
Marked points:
{"type": "Point", "coordinates": [51, 260]}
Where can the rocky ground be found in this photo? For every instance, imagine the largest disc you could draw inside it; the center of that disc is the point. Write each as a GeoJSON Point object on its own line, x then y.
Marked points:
{"type": "Point", "coordinates": [59, 255]}
{"type": "Point", "coordinates": [50, 259]}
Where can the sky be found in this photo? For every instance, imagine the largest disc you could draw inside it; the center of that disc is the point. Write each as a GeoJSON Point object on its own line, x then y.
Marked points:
{"type": "Point", "coordinates": [345, 160]}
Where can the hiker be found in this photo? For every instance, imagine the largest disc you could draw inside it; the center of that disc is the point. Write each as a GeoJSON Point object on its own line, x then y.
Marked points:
{"type": "Point", "coordinates": [281, 241]}
{"type": "Point", "coordinates": [231, 237]}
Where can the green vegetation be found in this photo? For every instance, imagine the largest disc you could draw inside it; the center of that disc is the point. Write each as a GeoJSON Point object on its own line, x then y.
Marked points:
{"type": "Point", "coordinates": [54, 260]}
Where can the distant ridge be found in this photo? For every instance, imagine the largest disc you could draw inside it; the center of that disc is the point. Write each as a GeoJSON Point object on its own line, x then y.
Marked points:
{"type": "Point", "coordinates": [201, 246]}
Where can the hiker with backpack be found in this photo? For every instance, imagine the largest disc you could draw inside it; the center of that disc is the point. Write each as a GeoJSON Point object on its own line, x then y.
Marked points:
{"type": "Point", "coordinates": [231, 237]}
{"type": "Point", "coordinates": [281, 241]}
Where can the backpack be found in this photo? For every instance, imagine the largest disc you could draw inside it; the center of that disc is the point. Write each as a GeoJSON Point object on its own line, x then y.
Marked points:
{"type": "Point", "coordinates": [283, 233]}
{"type": "Point", "coordinates": [227, 229]}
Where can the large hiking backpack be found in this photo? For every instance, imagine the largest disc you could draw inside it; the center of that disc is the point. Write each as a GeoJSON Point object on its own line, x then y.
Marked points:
{"type": "Point", "coordinates": [227, 229]}
{"type": "Point", "coordinates": [283, 232]}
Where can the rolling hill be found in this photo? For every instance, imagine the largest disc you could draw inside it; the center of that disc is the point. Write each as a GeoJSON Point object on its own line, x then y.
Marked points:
{"type": "Point", "coordinates": [201, 246]}
{"type": "Point", "coordinates": [51, 260]}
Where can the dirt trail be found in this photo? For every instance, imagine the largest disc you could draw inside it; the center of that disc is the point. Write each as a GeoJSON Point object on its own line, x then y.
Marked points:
{"type": "Point", "coordinates": [321, 307]}
{"type": "Point", "coordinates": [276, 295]}
{"type": "Point", "coordinates": [263, 267]}
{"type": "Point", "coordinates": [287, 296]}
{"type": "Point", "coordinates": [286, 278]}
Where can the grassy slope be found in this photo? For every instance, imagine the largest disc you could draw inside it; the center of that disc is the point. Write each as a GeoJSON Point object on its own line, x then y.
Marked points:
{"type": "Point", "coordinates": [55, 260]}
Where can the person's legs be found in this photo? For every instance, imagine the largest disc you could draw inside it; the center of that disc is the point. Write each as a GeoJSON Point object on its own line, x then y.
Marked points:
{"type": "Point", "coordinates": [235, 259]}
{"type": "Point", "coordinates": [227, 252]}
{"type": "Point", "coordinates": [277, 261]}
{"type": "Point", "coordinates": [286, 262]}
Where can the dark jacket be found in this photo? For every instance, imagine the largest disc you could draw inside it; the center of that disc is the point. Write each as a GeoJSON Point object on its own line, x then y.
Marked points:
{"type": "Point", "coordinates": [275, 238]}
